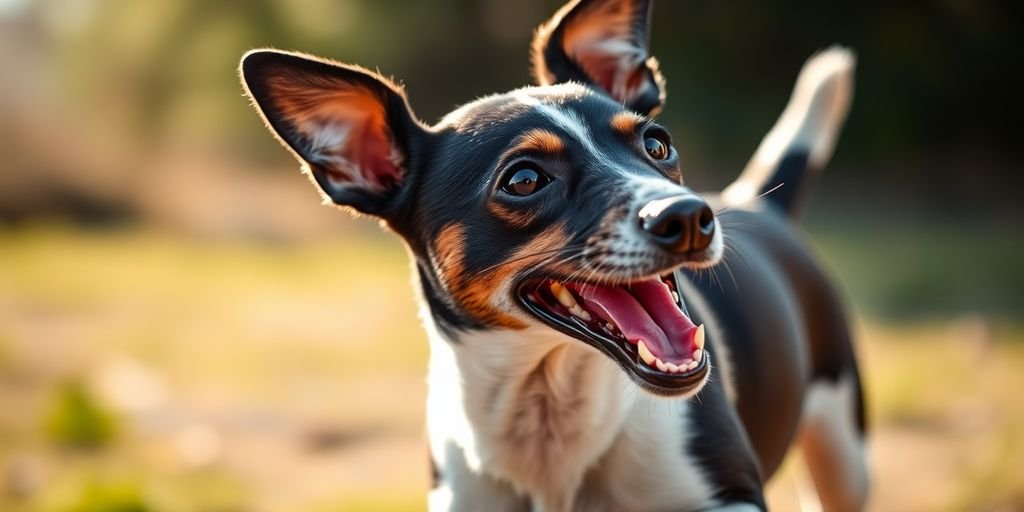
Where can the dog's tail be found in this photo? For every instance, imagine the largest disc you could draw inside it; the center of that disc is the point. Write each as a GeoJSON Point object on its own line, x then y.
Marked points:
{"type": "Point", "coordinates": [801, 142]}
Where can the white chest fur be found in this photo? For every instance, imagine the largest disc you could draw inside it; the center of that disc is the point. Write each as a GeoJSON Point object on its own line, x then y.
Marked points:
{"type": "Point", "coordinates": [552, 420]}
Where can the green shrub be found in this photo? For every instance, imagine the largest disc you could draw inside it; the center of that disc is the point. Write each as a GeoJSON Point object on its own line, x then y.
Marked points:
{"type": "Point", "coordinates": [77, 420]}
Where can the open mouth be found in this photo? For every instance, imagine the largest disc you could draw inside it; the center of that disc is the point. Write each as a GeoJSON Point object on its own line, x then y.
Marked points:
{"type": "Point", "coordinates": [642, 325]}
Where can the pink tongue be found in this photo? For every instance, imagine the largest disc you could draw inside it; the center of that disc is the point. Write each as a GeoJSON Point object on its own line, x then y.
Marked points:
{"type": "Point", "coordinates": [645, 312]}
{"type": "Point", "coordinates": [657, 300]}
{"type": "Point", "coordinates": [618, 306]}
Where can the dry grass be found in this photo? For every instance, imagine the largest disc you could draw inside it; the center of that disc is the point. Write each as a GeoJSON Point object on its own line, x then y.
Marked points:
{"type": "Point", "coordinates": [248, 376]}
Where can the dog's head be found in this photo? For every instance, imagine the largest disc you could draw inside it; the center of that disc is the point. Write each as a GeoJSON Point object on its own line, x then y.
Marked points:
{"type": "Point", "coordinates": [559, 205]}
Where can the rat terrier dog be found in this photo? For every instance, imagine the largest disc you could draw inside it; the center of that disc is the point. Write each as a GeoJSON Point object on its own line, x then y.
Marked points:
{"type": "Point", "coordinates": [582, 358]}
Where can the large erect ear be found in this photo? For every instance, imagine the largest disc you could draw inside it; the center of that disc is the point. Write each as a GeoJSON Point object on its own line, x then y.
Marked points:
{"type": "Point", "coordinates": [602, 43]}
{"type": "Point", "coordinates": [351, 128]}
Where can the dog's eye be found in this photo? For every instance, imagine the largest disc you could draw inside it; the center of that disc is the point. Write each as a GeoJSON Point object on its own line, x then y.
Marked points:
{"type": "Point", "coordinates": [524, 180]}
{"type": "Point", "coordinates": [657, 148]}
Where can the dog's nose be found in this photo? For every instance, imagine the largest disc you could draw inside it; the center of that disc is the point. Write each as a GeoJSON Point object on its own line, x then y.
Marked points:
{"type": "Point", "coordinates": [679, 224]}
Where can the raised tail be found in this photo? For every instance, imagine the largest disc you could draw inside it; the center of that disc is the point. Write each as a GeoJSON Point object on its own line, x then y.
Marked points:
{"type": "Point", "coordinates": [802, 140]}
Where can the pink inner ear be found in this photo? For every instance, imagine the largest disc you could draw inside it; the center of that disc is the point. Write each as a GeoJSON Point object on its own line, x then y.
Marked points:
{"type": "Point", "coordinates": [600, 41]}
{"type": "Point", "coordinates": [346, 128]}
{"type": "Point", "coordinates": [378, 153]}
{"type": "Point", "coordinates": [619, 75]}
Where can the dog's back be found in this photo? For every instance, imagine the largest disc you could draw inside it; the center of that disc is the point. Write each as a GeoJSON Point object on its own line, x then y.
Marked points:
{"type": "Point", "coordinates": [780, 323]}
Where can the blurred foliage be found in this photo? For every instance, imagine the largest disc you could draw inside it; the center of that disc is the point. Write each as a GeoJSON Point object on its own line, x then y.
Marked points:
{"type": "Point", "coordinates": [935, 84]}
{"type": "Point", "coordinates": [134, 87]}
{"type": "Point", "coordinates": [77, 420]}
{"type": "Point", "coordinates": [899, 268]}
{"type": "Point", "coordinates": [106, 497]}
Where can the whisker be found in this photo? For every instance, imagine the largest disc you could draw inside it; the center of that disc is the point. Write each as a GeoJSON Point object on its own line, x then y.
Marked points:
{"type": "Point", "coordinates": [725, 263]}
{"type": "Point", "coordinates": [759, 196]}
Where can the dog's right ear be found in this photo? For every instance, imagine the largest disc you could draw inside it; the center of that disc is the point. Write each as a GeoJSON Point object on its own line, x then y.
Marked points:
{"type": "Point", "coordinates": [349, 127]}
{"type": "Point", "coordinates": [603, 43]}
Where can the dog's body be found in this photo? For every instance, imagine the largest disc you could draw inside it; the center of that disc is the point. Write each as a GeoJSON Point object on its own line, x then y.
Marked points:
{"type": "Point", "coordinates": [562, 269]}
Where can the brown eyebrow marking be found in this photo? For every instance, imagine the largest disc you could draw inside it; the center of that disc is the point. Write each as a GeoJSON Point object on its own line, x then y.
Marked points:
{"type": "Point", "coordinates": [625, 123]}
{"type": "Point", "coordinates": [539, 141]}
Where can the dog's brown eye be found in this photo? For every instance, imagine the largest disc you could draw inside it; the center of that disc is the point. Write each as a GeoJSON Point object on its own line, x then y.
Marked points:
{"type": "Point", "coordinates": [656, 148]}
{"type": "Point", "coordinates": [524, 181]}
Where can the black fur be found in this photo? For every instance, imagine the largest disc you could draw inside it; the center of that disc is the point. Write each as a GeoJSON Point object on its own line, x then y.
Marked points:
{"type": "Point", "coordinates": [790, 182]}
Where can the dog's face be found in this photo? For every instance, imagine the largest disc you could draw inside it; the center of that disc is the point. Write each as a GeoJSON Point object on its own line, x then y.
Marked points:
{"type": "Point", "coordinates": [558, 205]}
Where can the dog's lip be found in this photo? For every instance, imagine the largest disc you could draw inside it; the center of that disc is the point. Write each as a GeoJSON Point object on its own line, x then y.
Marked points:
{"type": "Point", "coordinates": [656, 382]}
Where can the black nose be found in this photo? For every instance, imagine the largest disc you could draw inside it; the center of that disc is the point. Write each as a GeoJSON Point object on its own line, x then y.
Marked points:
{"type": "Point", "coordinates": [679, 224]}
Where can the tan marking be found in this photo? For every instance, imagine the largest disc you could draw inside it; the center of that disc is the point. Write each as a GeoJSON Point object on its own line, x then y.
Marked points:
{"type": "Point", "coordinates": [537, 141]}
{"type": "Point", "coordinates": [625, 123]}
{"type": "Point", "coordinates": [475, 293]}
{"type": "Point", "coordinates": [514, 218]}
{"type": "Point", "coordinates": [449, 251]}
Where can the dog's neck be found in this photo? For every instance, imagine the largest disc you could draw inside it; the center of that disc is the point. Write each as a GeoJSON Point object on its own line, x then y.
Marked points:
{"type": "Point", "coordinates": [529, 407]}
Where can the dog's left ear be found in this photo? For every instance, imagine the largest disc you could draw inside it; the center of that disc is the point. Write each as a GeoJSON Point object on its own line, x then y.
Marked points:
{"type": "Point", "coordinates": [351, 128]}
{"type": "Point", "coordinates": [602, 43]}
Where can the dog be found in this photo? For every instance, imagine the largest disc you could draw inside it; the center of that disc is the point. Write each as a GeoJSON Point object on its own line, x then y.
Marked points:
{"type": "Point", "coordinates": [586, 353]}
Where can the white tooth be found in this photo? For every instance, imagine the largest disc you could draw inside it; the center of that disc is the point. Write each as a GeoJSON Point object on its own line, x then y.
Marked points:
{"type": "Point", "coordinates": [580, 312]}
{"type": "Point", "coordinates": [698, 338]}
{"type": "Point", "coordinates": [645, 354]}
{"type": "Point", "coordinates": [660, 364]}
{"type": "Point", "coordinates": [691, 366]}
{"type": "Point", "coordinates": [563, 295]}
{"type": "Point", "coordinates": [675, 297]}
{"type": "Point", "coordinates": [686, 362]}
{"type": "Point", "coordinates": [672, 368]}
{"type": "Point", "coordinates": [609, 326]}
{"type": "Point", "coordinates": [697, 354]}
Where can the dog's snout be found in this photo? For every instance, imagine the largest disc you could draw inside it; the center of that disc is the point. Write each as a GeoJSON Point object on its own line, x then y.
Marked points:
{"type": "Point", "coordinates": [679, 224]}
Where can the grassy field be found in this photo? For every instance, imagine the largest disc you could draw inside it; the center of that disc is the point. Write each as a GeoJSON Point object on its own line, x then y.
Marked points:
{"type": "Point", "coordinates": [151, 372]}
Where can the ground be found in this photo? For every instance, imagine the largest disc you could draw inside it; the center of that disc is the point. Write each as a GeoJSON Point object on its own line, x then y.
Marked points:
{"type": "Point", "coordinates": [267, 376]}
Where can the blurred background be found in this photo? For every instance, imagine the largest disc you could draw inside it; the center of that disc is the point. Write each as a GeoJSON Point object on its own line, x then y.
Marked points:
{"type": "Point", "coordinates": [183, 327]}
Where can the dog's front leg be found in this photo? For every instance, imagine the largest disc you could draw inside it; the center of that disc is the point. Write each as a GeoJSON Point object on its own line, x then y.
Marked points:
{"type": "Point", "coordinates": [458, 488]}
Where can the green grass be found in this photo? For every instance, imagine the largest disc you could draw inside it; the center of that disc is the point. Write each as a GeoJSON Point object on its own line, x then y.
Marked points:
{"type": "Point", "coordinates": [105, 497]}
{"type": "Point", "coordinates": [247, 376]}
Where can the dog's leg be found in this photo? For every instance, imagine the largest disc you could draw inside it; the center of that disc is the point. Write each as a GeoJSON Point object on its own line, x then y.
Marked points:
{"type": "Point", "coordinates": [458, 488]}
{"type": "Point", "coordinates": [833, 444]}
